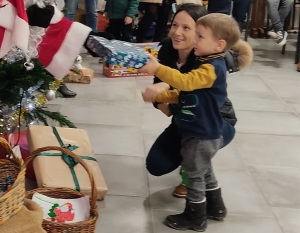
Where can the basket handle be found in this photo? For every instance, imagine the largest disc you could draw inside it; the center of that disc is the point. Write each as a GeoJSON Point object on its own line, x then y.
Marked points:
{"type": "Point", "coordinates": [9, 150]}
{"type": "Point", "coordinates": [74, 156]}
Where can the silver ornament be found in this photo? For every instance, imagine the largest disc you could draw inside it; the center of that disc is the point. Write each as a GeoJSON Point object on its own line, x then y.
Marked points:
{"type": "Point", "coordinates": [50, 95]}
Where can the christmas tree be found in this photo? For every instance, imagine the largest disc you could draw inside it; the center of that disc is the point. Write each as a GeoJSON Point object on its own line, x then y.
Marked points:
{"type": "Point", "coordinates": [24, 92]}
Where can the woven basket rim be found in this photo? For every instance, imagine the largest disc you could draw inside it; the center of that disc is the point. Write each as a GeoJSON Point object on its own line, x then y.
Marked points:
{"type": "Point", "coordinates": [12, 158]}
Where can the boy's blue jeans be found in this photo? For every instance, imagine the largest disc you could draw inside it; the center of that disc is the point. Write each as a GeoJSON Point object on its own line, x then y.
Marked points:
{"type": "Point", "coordinates": [91, 12]}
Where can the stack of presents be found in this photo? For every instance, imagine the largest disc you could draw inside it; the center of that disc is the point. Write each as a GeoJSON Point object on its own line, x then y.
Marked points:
{"type": "Point", "coordinates": [69, 181]}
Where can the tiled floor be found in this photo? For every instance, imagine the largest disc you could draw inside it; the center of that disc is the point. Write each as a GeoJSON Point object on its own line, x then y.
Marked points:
{"type": "Point", "coordinates": [259, 171]}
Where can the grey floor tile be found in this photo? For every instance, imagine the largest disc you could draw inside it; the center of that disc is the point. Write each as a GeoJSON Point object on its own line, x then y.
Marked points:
{"type": "Point", "coordinates": [280, 186]}
{"type": "Point", "coordinates": [241, 194]}
{"type": "Point", "coordinates": [294, 104]}
{"type": "Point", "coordinates": [153, 121]}
{"type": "Point", "coordinates": [161, 189]}
{"type": "Point", "coordinates": [246, 83]}
{"type": "Point", "coordinates": [143, 82]}
{"type": "Point", "coordinates": [269, 150]}
{"type": "Point", "coordinates": [115, 140]}
{"type": "Point", "coordinates": [288, 88]}
{"type": "Point", "coordinates": [232, 224]}
{"type": "Point", "coordinates": [276, 123]}
{"type": "Point", "coordinates": [149, 139]}
{"type": "Point", "coordinates": [100, 112]}
{"type": "Point", "coordinates": [124, 214]}
{"type": "Point", "coordinates": [258, 101]}
{"type": "Point", "coordinates": [229, 159]}
{"type": "Point", "coordinates": [288, 219]}
{"type": "Point", "coordinates": [164, 183]}
{"type": "Point", "coordinates": [124, 175]}
{"type": "Point", "coordinates": [281, 68]}
{"type": "Point", "coordinates": [111, 90]}
{"type": "Point", "coordinates": [92, 63]}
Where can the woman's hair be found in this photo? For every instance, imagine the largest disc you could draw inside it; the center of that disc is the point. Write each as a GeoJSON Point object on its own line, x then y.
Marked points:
{"type": "Point", "coordinates": [194, 10]}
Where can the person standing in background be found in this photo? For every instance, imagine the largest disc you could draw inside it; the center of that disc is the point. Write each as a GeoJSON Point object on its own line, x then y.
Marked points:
{"type": "Point", "coordinates": [121, 14]}
{"type": "Point", "coordinates": [91, 12]}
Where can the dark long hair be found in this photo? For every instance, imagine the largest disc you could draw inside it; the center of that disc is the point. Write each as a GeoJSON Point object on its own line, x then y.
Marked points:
{"type": "Point", "coordinates": [194, 10]}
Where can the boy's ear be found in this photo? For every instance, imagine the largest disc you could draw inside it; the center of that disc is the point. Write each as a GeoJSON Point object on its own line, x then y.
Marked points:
{"type": "Point", "coordinates": [221, 45]}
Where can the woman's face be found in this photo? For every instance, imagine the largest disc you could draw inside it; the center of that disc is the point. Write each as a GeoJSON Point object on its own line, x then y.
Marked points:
{"type": "Point", "coordinates": [182, 31]}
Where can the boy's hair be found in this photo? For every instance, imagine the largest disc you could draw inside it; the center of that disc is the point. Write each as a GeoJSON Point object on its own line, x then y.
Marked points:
{"type": "Point", "coordinates": [223, 27]}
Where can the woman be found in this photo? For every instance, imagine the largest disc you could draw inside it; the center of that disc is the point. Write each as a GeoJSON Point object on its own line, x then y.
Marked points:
{"type": "Point", "coordinates": [177, 52]}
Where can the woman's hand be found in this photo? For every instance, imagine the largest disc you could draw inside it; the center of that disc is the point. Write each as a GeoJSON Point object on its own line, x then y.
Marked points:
{"type": "Point", "coordinates": [151, 92]}
{"type": "Point", "coordinates": [165, 109]}
{"type": "Point", "coordinates": [151, 67]}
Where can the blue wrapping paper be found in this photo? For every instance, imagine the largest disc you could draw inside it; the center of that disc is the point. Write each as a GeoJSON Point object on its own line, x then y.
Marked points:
{"type": "Point", "coordinates": [119, 53]}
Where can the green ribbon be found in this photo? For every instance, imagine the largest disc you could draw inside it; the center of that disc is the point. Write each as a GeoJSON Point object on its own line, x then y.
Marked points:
{"type": "Point", "coordinates": [70, 161]}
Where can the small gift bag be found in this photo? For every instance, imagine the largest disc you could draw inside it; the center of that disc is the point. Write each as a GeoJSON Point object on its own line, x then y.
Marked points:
{"type": "Point", "coordinates": [102, 23]}
{"type": "Point", "coordinates": [84, 75]}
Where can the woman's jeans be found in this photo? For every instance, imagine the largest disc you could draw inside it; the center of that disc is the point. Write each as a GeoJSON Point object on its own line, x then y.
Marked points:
{"type": "Point", "coordinates": [164, 155]}
{"type": "Point", "coordinates": [91, 12]}
{"type": "Point", "coordinates": [278, 16]}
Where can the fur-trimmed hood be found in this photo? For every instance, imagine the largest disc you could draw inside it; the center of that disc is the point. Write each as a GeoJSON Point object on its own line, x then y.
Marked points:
{"type": "Point", "coordinates": [245, 54]}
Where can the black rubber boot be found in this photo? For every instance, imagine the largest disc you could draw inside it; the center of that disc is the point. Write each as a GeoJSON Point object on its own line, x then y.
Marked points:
{"type": "Point", "coordinates": [66, 93]}
{"type": "Point", "coordinates": [216, 209]}
{"type": "Point", "coordinates": [193, 218]}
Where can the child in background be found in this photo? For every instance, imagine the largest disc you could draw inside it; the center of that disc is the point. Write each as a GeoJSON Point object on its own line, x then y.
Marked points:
{"type": "Point", "coordinates": [199, 121]}
{"type": "Point", "coordinates": [121, 14]}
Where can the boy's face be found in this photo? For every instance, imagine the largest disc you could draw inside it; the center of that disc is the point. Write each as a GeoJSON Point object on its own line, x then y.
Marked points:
{"type": "Point", "coordinates": [205, 43]}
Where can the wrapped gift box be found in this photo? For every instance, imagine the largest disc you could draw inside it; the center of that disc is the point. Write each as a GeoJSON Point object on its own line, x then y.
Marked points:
{"type": "Point", "coordinates": [85, 76]}
{"type": "Point", "coordinates": [119, 70]}
{"type": "Point", "coordinates": [52, 171]}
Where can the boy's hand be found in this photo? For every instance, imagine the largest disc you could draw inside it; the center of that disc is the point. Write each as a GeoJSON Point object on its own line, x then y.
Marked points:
{"type": "Point", "coordinates": [105, 15]}
{"type": "Point", "coordinates": [151, 67]}
{"type": "Point", "coordinates": [153, 90]}
{"type": "Point", "coordinates": [165, 109]}
{"type": "Point", "coordinates": [128, 20]}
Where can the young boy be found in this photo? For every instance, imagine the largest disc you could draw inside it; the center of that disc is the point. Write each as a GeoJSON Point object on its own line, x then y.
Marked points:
{"type": "Point", "coordinates": [203, 92]}
{"type": "Point", "coordinates": [121, 14]}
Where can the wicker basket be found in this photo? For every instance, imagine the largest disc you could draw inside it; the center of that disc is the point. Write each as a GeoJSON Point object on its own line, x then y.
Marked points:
{"type": "Point", "coordinates": [87, 226]}
{"type": "Point", "coordinates": [12, 201]}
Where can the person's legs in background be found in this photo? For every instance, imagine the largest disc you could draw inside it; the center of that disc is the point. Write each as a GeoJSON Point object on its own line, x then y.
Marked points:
{"type": "Point", "coordinates": [240, 10]}
{"type": "Point", "coordinates": [278, 19]}
{"type": "Point", "coordinates": [114, 28]}
{"type": "Point", "coordinates": [127, 32]}
{"type": "Point", "coordinates": [146, 21]}
{"type": "Point", "coordinates": [71, 6]}
{"type": "Point", "coordinates": [162, 20]}
{"type": "Point", "coordinates": [285, 9]}
{"type": "Point", "coordinates": [91, 14]}
{"type": "Point", "coordinates": [219, 6]}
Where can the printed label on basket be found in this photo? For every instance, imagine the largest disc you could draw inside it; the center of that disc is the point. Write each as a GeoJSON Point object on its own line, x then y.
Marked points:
{"type": "Point", "coordinates": [63, 210]}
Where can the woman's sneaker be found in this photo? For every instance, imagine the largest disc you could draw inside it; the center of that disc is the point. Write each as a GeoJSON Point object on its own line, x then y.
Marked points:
{"type": "Point", "coordinates": [281, 37]}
